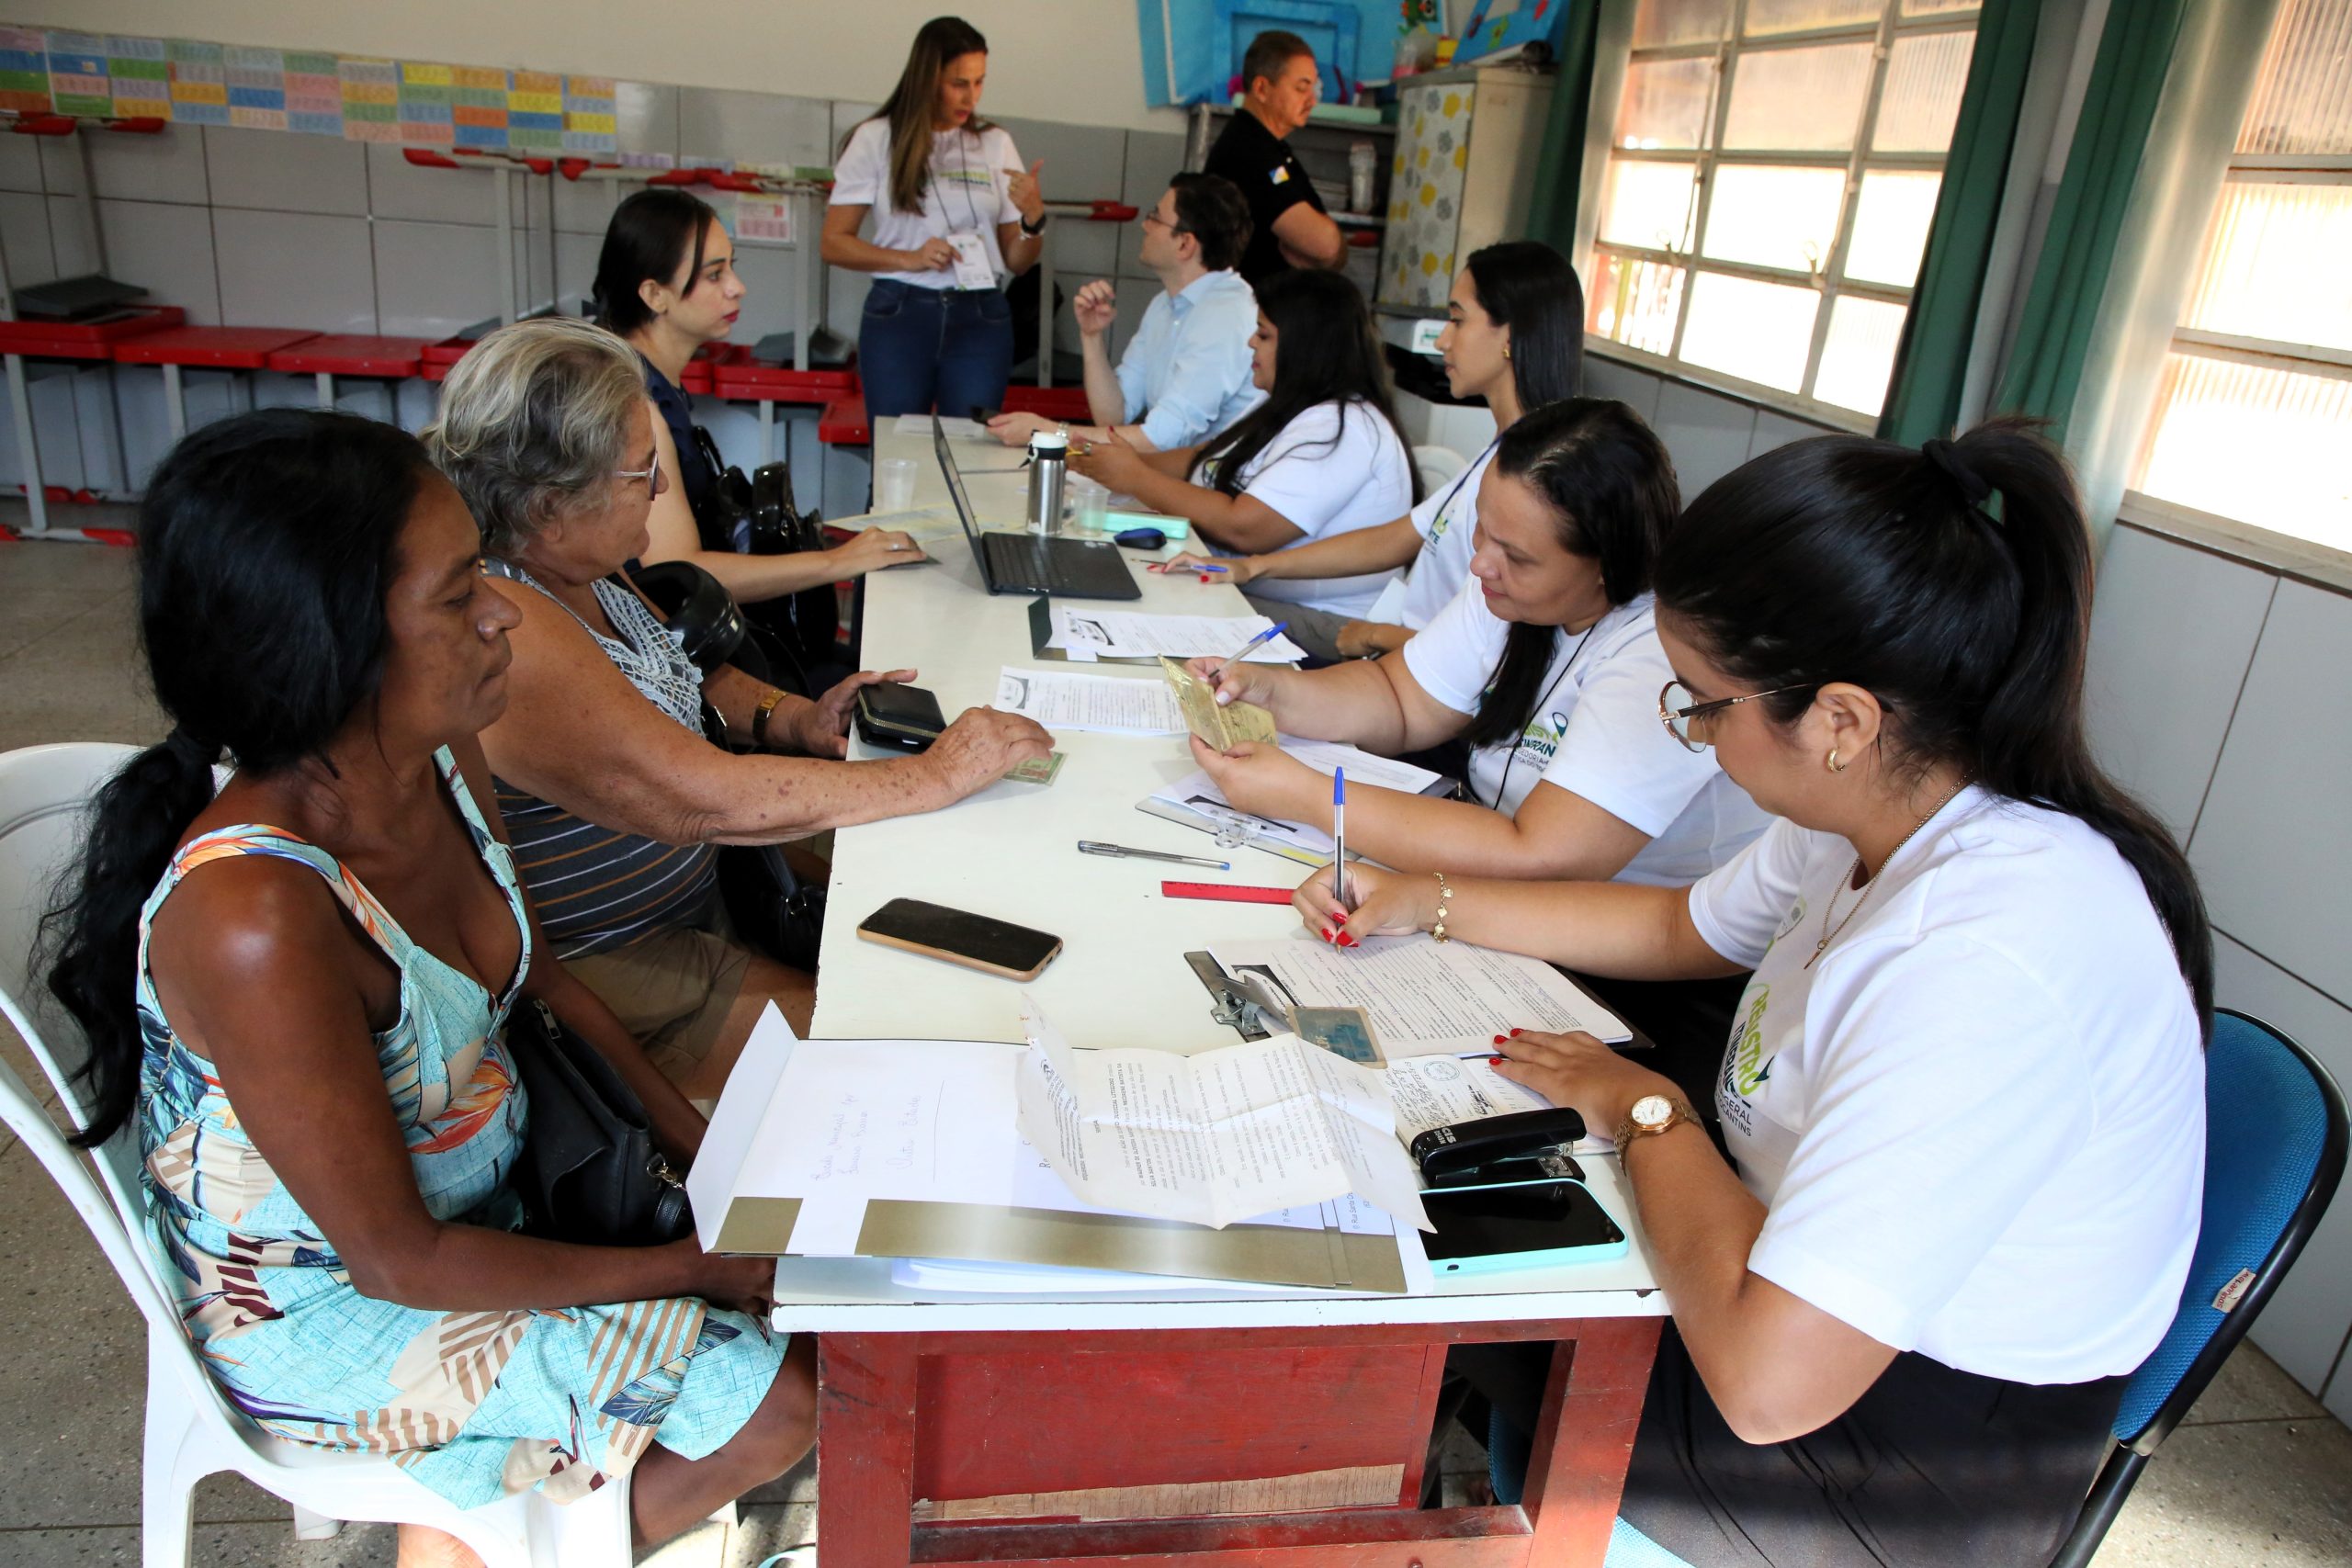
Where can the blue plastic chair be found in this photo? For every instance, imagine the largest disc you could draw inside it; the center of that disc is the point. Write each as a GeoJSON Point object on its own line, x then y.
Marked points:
{"type": "Point", "coordinates": [2276, 1131]}
{"type": "Point", "coordinates": [2274, 1136]}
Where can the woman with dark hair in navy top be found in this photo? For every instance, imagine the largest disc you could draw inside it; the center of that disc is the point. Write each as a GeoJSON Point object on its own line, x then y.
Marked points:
{"type": "Point", "coordinates": [666, 283]}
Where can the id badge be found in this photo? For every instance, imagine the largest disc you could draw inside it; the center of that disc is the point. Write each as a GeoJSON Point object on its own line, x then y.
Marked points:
{"type": "Point", "coordinates": [972, 268]}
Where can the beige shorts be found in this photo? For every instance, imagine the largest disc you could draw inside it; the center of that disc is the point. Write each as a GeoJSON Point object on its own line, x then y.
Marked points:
{"type": "Point", "coordinates": [672, 990]}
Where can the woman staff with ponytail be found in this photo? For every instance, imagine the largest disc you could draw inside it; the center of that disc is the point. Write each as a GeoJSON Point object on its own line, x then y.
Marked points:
{"type": "Point", "coordinates": [1963, 1099]}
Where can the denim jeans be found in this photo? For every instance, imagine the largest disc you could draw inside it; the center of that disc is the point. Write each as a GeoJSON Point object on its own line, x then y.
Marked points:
{"type": "Point", "coordinates": [916, 346]}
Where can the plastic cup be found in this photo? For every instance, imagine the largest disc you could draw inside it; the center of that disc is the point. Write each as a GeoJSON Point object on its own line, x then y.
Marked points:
{"type": "Point", "coordinates": [894, 484]}
{"type": "Point", "coordinates": [1090, 505]}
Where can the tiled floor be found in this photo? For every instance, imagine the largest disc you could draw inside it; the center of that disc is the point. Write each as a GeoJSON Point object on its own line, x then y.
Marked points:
{"type": "Point", "coordinates": [2260, 1475]}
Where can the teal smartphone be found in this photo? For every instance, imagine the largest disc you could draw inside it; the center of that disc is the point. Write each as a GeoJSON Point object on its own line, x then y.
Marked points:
{"type": "Point", "coordinates": [1518, 1225]}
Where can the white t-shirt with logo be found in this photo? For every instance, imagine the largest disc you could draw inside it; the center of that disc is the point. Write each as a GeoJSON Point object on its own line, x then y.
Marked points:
{"type": "Point", "coordinates": [968, 192]}
{"type": "Point", "coordinates": [1326, 489]}
{"type": "Point", "coordinates": [1448, 523]}
{"type": "Point", "coordinates": [1595, 734]}
{"type": "Point", "coordinates": [1978, 1120]}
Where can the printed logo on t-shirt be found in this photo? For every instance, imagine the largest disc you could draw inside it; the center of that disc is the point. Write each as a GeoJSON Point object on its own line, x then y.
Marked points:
{"type": "Point", "coordinates": [1796, 919]}
{"type": "Point", "coordinates": [1280, 174]}
{"type": "Point", "coordinates": [1539, 742]}
{"type": "Point", "coordinates": [1746, 1067]}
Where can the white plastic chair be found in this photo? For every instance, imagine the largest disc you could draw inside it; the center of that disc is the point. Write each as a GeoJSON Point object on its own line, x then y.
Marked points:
{"type": "Point", "coordinates": [1438, 466]}
{"type": "Point", "coordinates": [192, 1430]}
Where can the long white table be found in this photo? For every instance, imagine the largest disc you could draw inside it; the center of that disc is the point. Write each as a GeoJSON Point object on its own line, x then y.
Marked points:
{"type": "Point", "coordinates": [917, 1385]}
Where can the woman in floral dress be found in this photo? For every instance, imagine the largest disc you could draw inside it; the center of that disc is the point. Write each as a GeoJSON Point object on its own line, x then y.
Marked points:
{"type": "Point", "coordinates": [296, 990]}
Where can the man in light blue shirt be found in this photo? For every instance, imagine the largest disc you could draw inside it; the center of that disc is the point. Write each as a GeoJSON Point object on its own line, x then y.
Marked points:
{"type": "Point", "coordinates": [1185, 375]}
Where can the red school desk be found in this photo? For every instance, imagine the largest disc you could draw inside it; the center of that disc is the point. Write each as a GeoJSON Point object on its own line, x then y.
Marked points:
{"type": "Point", "coordinates": [1232, 1432]}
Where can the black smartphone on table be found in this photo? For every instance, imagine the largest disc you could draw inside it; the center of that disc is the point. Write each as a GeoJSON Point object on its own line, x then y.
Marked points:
{"type": "Point", "coordinates": [906, 718]}
{"type": "Point", "coordinates": [1518, 1225]}
{"type": "Point", "coordinates": [958, 936]}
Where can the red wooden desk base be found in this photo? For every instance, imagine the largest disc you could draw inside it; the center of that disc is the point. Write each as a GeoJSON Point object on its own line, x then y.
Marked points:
{"type": "Point", "coordinates": [1029, 1449]}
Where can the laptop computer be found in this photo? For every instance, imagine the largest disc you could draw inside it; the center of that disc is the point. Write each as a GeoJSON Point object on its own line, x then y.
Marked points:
{"type": "Point", "coordinates": [1025, 563]}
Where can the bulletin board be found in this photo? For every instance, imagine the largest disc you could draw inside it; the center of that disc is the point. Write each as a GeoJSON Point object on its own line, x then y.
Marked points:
{"type": "Point", "coordinates": [1499, 27]}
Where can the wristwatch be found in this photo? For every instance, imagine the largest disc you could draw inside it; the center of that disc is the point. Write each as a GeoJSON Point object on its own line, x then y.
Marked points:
{"type": "Point", "coordinates": [1653, 1114]}
{"type": "Point", "coordinates": [1043, 219]}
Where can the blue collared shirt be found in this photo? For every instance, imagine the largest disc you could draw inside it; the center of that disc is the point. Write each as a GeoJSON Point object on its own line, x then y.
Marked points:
{"type": "Point", "coordinates": [1189, 362]}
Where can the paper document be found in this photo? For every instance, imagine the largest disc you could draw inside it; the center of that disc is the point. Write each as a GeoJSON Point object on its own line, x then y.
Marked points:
{"type": "Point", "coordinates": [956, 429]}
{"type": "Point", "coordinates": [1133, 634]}
{"type": "Point", "coordinates": [1440, 1091]}
{"type": "Point", "coordinates": [1223, 728]}
{"type": "Point", "coordinates": [1106, 703]}
{"type": "Point", "coordinates": [1197, 793]}
{"type": "Point", "coordinates": [1425, 996]}
{"type": "Point", "coordinates": [1214, 1138]}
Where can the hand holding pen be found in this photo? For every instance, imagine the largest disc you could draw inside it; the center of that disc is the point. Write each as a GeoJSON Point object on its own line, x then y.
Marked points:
{"type": "Point", "coordinates": [1241, 655]}
{"type": "Point", "coordinates": [1339, 836]}
{"type": "Point", "coordinates": [1235, 570]}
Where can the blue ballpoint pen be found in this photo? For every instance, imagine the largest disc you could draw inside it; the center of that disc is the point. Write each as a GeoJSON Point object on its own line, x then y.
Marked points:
{"type": "Point", "coordinates": [1340, 835]}
{"type": "Point", "coordinates": [1243, 651]}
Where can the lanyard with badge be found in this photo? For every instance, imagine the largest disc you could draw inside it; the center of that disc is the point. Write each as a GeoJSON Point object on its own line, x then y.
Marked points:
{"type": "Point", "coordinates": [1544, 702]}
{"type": "Point", "coordinates": [973, 269]}
{"type": "Point", "coordinates": [1439, 521]}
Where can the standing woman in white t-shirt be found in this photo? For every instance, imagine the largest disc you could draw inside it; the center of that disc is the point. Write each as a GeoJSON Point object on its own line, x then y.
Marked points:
{"type": "Point", "coordinates": [1323, 456]}
{"type": "Point", "coordinates": [1514, 337]}
{"type": "Point", "coordinates": [1964, 1098]}
{"type": "Point", "coordinates": [955, 213]}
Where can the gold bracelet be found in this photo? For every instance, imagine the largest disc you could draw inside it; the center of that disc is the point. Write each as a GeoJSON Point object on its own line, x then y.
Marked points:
{"type": "Point", "coordinates": [761, 715]}
{"type": "Point", "coordinates": [1444, 898]}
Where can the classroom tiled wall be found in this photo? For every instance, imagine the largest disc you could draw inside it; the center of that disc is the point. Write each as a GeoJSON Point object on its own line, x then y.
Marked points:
{"type": "Point", "coordinates": [264, 228]}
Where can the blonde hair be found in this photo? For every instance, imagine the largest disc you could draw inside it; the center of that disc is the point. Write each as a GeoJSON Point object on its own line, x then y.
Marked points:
{"type": "Point", "coordinates": [533, 424]}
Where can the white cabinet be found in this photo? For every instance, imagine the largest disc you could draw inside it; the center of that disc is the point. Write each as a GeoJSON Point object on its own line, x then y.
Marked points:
{"type": "Point", "coordinates": [1462, 175]}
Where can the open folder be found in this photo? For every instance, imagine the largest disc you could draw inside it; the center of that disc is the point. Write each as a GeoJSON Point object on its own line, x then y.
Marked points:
{"type": "Point", "coordinates": [911, 1148]}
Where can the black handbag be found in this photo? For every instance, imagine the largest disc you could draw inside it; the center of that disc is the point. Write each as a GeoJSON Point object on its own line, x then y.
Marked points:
{"type": "Point", "coordinates": [591, 1171]}
{"type": "Point", "coordinates": [758, 516]}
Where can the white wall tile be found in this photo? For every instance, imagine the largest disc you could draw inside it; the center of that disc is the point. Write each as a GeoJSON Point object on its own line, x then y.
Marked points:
{"type": "Point", "coordinates": [168, 166]}
{"type": "Point", "coordinates": [69, 236]}
{"type": "Point", "coordinates": [397, 188]}
{"type": "Point", "coordinates": [434, 279]}
{"type": "Point", "coordinates": [1083, 250]}
{"type": "Point", "coordinates": [771, 275]}
{"type": "Point", "coordinates": [1706, 434]}
{"type": "Point", "coordinates": [575, 267]}
{"type": "Point", "coordinates": [166, 250]}
{"type": "Point", "coordinates": [647, 117]}
{"type": "Point", "coordinates": [1153, 158]}
{"type": "Point", "coordinates": [280, 171]}
{"type": "Point", "coordinates": [21, 163]}
{"type": "Point", "coordinates": [2304, 1326]}
{"type": "Point", "coordinates": [1083, 162]}
{"type": "Point", "coordinates": [24, 230]}
{"type": "Point", "coordinates": [847, 115]}
{"type": "Point", "coordinates": [61, 164]}
{"type": "Point", "coordinates": [752, 127]}
{"type": "Point", "coordinates": [2172, 632]}
{"type": "Point", "coordinates": [2274, 840]}
{"type": "Point", "coordinates": [585, 205]}
{"type": "Point", "coordinates": [1635, 388]}
{"type": "Point", "coordinates": [1775, 430]}
{"type": "Point", "coordinates": [294, 269]}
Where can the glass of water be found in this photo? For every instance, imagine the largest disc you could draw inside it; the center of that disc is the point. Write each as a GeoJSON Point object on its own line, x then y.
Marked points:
{"type": "Point", "coordinates": [894, 484]}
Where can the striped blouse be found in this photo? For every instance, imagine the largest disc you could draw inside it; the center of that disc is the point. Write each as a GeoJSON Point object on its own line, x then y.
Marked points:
{"type": "Point", "coordinates": [597, 889]}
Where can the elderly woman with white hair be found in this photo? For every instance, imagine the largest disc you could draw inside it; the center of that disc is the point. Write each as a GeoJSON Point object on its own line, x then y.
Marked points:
{"type": "Point", "coordinates": [614, 799]}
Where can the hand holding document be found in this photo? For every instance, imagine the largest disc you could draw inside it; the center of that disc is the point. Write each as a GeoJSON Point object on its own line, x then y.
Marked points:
{"type": "Point", "coordinates": [1196, 801]}
{"type": "Point", "coordinates": [1104, 704]}
{"type": "Point", "coordinates": [1426, 998]}
{"type": "Point", "coordinates": [1222, 727]}
{"type": "Point", "coordinates": [1216, 1137]}
{"type": "Point", "coordinates": [1135, 634]}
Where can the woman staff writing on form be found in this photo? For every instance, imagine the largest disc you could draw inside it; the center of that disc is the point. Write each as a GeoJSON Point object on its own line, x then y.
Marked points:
{"type": "Point", "coordinates": [1964, 1102]}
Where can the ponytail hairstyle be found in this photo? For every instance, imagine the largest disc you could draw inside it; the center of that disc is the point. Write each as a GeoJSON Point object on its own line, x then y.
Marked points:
{"type": "Point", "coordinates": [652, 234]}
{"type": "Point", "coordinates": [1527, 285]}
{"type": "Point", "coordinates": [1325, 351]}
{"type": "Point", "coordinates": [1845, 559]}
{"type": "Point", "coordinates": [266, 543]}
{"type": "Point", "coordinates": [1609, 484]}
{"type": "Point", "coordinates": [912, 103]}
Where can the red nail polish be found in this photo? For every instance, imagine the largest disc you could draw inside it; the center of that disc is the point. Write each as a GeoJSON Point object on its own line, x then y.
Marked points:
{"type": "Point", "coordinates": [1497, 1061]}
{"type": "Point", "coordinates": [1498, 1039]}
{"type": "Point", "coordinates": [1515, 1033]}
{"type": "Point", "coordinates": [1327, 936]}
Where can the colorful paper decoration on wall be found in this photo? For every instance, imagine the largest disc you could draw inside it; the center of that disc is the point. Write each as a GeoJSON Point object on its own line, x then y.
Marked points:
{"type": "Point", "coordinates": [415, 103]}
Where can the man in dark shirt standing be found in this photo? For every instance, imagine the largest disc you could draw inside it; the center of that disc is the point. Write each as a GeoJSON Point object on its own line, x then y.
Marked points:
{"type": "Point", "coordinates": [1289, 227]}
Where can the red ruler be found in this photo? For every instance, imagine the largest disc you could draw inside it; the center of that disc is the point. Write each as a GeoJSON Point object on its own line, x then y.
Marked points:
{"type": "Point", "coordinates": [1223, 894]}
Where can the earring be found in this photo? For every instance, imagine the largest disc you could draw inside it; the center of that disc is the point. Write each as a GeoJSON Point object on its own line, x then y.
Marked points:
{"type": "Point", "coordinates": [1506, 351]}
{"type": "Point", "coordinates": [1834, 765]}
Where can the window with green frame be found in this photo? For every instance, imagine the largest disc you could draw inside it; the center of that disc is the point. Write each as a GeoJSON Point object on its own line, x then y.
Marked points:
{"type": "Point", "coordinates": [1770, 185]}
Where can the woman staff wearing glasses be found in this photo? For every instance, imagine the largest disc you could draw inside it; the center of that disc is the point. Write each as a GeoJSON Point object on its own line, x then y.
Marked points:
{"type": "Point", "coordinates": [1964, 1102]}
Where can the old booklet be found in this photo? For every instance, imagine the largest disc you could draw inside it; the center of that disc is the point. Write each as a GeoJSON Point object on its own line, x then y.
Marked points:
{"type": "Point", "coordinates": [1220, 727]}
